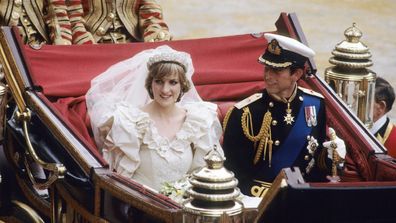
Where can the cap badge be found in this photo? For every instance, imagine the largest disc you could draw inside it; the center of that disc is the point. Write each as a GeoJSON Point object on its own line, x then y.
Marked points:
{"type": "Point", "coordinates": [274, 48]}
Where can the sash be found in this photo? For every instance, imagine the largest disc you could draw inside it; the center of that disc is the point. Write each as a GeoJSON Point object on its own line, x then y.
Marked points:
{"type": "Point", "coordinates": [295, 141]}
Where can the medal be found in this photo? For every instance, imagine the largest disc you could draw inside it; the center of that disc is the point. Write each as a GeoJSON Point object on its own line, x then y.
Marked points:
{"type": "Point", "coordinates": [310, 116]}
{"type": "Point", "coordinates": [289, 119]}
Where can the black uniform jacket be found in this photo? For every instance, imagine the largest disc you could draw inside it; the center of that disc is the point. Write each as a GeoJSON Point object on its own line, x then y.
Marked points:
{"type": "Point", "coordinates": [240, 151]}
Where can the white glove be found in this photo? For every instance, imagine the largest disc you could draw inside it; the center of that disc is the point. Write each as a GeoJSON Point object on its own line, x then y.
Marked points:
{"type": "Point", "coordinates": [335, 143]}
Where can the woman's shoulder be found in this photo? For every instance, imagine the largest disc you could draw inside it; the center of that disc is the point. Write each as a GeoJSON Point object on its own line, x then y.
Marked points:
{"type": "Point", "coordinates": [124, 111]}
{"type": "Point", "coordinates": [205, 112]}
{"type": "Point", "coordinates": [201, 107]}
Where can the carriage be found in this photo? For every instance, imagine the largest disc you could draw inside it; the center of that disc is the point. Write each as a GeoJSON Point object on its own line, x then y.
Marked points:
{"type": "Point", "coordinates": [53, 172]}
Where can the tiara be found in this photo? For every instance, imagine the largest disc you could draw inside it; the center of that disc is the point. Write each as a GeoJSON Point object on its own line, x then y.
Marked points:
{"type": "Point", "coordinates": [179, 58]}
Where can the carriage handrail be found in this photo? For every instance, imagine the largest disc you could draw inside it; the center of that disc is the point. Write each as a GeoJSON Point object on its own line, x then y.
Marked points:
{"type": "Point", "coordinates": [57, 171]}
{"type": "Point", "coordinates": [11, 72]}
{"type": "Point", "coordinates": [5, 65]}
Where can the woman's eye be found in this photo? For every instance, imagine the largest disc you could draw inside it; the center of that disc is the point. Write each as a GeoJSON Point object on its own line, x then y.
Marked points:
{"type": "Point", "coordinates": [158, 81]}
{"type": "Point", "coordinates": [173, 82]}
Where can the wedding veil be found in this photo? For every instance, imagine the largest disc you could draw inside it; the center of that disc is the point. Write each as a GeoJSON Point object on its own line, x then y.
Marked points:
{"type": "Point", "coordinates": [124, 82]}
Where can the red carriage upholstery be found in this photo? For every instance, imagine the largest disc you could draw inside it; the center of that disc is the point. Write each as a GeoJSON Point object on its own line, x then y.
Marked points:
{"type": "Point", "coordinates": [226, 70]}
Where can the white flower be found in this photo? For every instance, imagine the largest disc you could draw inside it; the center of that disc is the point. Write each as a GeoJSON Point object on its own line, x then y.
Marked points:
{"type": "Point", "coordinates": [176, 190]}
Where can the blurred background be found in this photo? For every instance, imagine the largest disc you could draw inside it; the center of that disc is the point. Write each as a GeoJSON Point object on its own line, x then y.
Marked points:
{"type": "Point", "coordinates": [322, 21]}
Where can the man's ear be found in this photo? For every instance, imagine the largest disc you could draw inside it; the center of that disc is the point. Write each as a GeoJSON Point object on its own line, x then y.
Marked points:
{"type": "Point", "coordinates": [382, 107]}
{"type": "Point", "coordinates": [297, 74]}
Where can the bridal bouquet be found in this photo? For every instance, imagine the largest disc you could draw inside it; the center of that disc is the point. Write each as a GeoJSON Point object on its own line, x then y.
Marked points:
{"type": "Point", "coordinates": [176, 190]}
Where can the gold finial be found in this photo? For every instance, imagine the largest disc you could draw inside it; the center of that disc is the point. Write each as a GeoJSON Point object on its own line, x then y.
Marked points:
{"type": "Point", "coordinates": [353, 34]}
{"type": "Point", "coordinates": [214, 159]}
{"type": "Point", "coordinates": [351, 53]}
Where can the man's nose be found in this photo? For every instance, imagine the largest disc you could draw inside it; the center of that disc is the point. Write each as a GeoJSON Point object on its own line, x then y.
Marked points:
{"type": "Point", "coordinates": [268, 74]}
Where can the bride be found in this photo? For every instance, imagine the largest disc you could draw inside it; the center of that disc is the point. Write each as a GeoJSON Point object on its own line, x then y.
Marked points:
{"type": "Point", "coordinates": [148, 119]}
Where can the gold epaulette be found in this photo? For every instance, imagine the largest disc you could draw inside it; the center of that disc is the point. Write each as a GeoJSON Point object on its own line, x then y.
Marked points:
{"type": "Point", "coordinates": [311, 92]}
{"type": "Point", "coordinates": [227, 117]}
{"type": "Point", "coordinates": [248, 100]}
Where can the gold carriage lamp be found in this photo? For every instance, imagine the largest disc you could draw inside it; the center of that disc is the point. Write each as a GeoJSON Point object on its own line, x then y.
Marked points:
{"type": "Point", "coordinates": [350, 78]}
{"type": "Point", "coordinates": [213, 193]}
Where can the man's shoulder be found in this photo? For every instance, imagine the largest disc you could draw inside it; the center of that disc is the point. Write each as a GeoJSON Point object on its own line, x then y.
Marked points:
{"type": "Point", "coordinates": [311, 92]}
{"type": "Point", "coordinates": [245, 102]}
{"type": "Point", "coordinates": [392, 128]}
{"type": "Point", "coordinates": [389, 139]}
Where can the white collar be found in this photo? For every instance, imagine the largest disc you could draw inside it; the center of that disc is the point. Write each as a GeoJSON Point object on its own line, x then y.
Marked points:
{"type": "Point", "coordinates": [378, 124]}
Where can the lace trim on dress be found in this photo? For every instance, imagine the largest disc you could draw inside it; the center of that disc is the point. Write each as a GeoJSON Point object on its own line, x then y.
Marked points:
{"type": "Point", "coordinates": [198, 120]}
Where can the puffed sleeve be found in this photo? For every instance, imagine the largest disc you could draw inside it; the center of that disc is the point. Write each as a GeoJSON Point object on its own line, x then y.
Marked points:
{"type": "Point", "coordinates": [121, 139]}
{"type": "Point", "coordinates": [208, 131]}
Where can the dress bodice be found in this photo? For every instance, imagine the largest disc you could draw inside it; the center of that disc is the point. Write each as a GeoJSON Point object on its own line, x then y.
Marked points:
{"type": "Point", "coordinates": [133, 147]}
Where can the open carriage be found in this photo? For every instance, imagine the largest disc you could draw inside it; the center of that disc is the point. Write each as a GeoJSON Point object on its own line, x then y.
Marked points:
{"type": "Point", "coordinates": [47, 128]}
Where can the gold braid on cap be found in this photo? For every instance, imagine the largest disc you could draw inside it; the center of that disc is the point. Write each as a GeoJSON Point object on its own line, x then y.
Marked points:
{"type": "Point", "coordinates": [263, 137]}
{"type": "Point", "coordinates": [272, 64]}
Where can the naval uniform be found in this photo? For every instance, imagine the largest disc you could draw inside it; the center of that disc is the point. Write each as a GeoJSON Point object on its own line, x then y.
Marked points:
{"type": "Point", "coordinates": [286, 139]}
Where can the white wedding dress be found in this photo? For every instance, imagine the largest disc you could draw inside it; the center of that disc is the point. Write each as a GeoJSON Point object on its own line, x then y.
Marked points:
{"type": "Point", "coordinates": [133, 148]}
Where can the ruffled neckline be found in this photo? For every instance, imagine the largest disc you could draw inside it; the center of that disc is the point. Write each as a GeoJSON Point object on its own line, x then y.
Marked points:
{"type": "Point", "coordinates": [192, 127]}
